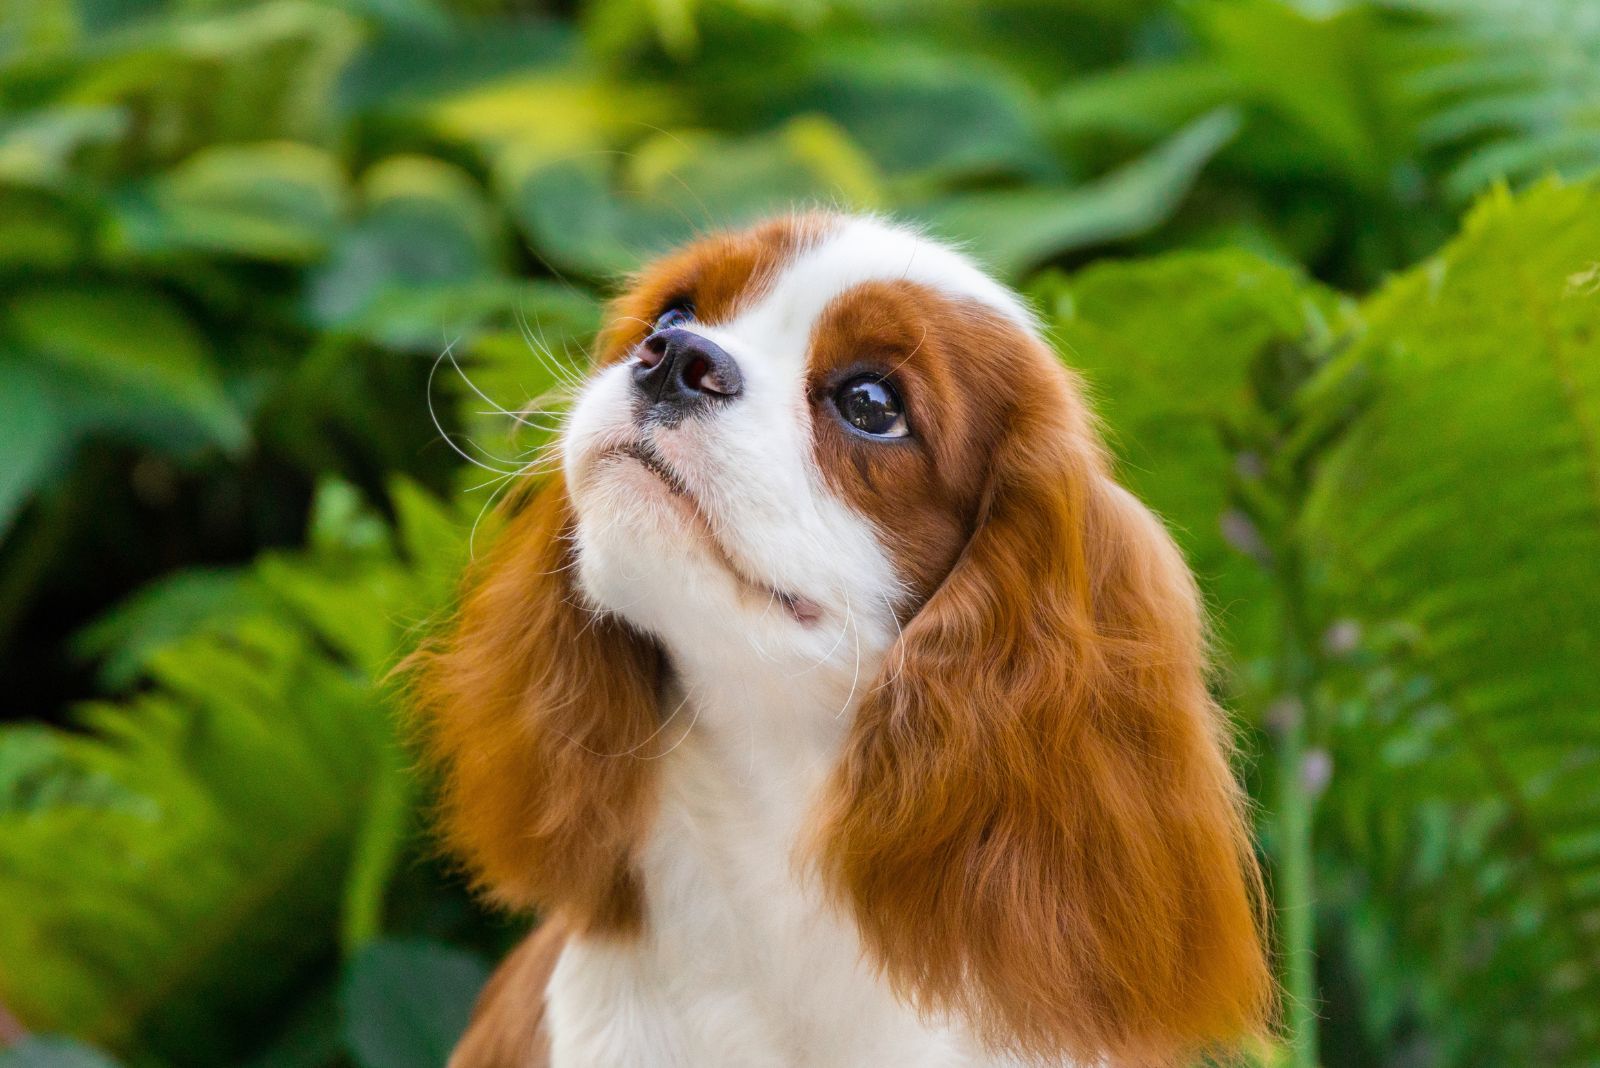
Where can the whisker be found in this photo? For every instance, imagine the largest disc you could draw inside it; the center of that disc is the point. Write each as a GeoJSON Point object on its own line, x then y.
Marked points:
{"type": "Point", "coordinates": [472, 535]}
{"type": "Point", "coordinates": [450, 353]}
{"type": "Point", "coordinates": [542, 352]}
{"type": "Point", "coordinates": [898, 649]}
{"type": "Point", "coordinates": [855, 679]}
{"type": "Point", "coordinates": [693, 720]}
{"type": "Point", "coordinates": [448, 439]}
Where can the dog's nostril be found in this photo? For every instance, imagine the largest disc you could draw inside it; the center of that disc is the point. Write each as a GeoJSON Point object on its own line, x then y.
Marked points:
{"type": "Point", "coordinates": [653, 349]}
{"type": "Point", "coordinates": [694, 372]}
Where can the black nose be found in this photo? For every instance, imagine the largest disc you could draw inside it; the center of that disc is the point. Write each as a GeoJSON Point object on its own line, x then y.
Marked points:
{"type": "Point", "coordinates": [679, 371]}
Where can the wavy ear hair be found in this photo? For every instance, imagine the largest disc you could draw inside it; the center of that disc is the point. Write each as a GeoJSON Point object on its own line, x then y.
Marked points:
{"type": "Point", "coordinates": [1035, 823]}
{"type": "Point", "coordinates": [534, 710]}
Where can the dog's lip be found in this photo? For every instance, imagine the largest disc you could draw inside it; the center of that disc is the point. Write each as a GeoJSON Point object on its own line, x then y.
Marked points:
{"type": "Point", "coordinates": [647, 457]}
{"type": "Point", "coordinates": [801, 609]}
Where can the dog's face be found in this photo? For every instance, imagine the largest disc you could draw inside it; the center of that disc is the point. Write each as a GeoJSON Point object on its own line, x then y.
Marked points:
{"type": "Point", "coordinates": [784, 447]}
{"type": "Point", "coordinates": [828, 444]}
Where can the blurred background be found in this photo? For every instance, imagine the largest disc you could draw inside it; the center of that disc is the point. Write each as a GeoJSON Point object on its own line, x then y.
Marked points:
{"type": "Point", "coordinates": [275, 273]}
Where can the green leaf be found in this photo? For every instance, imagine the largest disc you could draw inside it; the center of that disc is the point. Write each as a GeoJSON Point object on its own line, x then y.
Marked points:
{"type": "Point", "coordinates": [234, 809]}
{"type": "Point", "coordinates": [1143, 101]}
{"type": "Point", "coordinates": [249, 761]}
{"type": "Point", "coordinates": [38, 231]}
{"type": "Point", "coordinates": [230, 75]}
{"type": "Point", "coordinates": [427, 241]}
{"type": "Point", "coordinates": [1012, 230]}
{"type": "Point", "coordinates": [406, 1002]}
{"type": "Point", "coordinates": [544, 115]}
{"type": "Point", "coordinates": [1513, 90]}
{"type": "Point", "coordinates": [401, 70]}
{"type": "Point", "coordinates": [50, 1052]}
{"type": "Point", "coordinates": [38, 148]}
{"type": "Point", "coordinates": [278, 201]}
{"type": "Point", "coordinates": [132, 355]}
{"type": "Point", "coordinates": [1464, 508]}
{"type": "Point", "coordinates": [1166, 346]}
{"type": "Point", "coordinates": [882, 96]}
{"type": "Point", "coordinates": [34, 438]}
{"type": "Point", "coordinates": [1334, 77]}
{"type": "Point", "coordinates": [125, 639]}
{"type": "Point", "coordinates": [686, 183]}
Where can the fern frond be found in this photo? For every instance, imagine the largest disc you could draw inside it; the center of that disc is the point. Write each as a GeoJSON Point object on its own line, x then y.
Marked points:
{"type": "Point", "coordinates": [1464, 508]}
{"type": "Point", "coordinates": [169, 869]}
{"type": "Point", "coordinates": [1516, 93]}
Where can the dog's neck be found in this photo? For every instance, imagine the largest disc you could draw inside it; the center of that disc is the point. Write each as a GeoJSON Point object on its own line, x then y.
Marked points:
{"type": "Point", "coordinates": [761, 725]}
{"type": "Point", "coordinates": [744, 959]}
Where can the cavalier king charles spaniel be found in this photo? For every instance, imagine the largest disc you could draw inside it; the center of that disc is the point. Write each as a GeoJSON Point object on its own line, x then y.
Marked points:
{"type": "Point", "coordinates": [834, 706]}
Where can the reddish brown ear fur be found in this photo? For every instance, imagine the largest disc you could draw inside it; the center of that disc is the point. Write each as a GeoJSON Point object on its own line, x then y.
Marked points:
{"type": "Point", "coordinates": [507, 1028]}
{"type": "Point", "coordinates": [1035, 823]}
{"type": "Point", "coordinates": [536, 712]}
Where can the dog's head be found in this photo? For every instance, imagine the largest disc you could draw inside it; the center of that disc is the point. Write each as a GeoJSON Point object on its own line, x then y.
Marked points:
{"type": "Point", "coordinates": [828, 444]}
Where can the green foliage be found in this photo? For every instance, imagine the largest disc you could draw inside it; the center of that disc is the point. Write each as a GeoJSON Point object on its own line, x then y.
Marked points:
{"type": "Point", "coordinates": [232, 810]}
{"type": "Point", "coordinates": [1518, 91]}
{"type": "Point", "coordinates": [1465, 509]}
{"type": "Point", "coordinates": [406, 1003]}
{"type": "Point", "coordinates": [1452, 521]}
{"type": "Point", "coordinates": [1167, 348]}
{"type": "Point", "coordinates": [53, 1053]}
{"type": "Point", "coordinates": [278, 275]}
{"type": "Point", "coordinates": [1014, 230]}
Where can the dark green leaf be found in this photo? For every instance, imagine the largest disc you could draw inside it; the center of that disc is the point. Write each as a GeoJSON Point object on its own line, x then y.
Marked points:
{"type": "Point", "coordinates": [406, 1002]}
{"type": "Point", "coordinates": [51, 1052]}
{"type": "Point", "coordinates": [278, 201]}
{"type": "Point", "coordinates": [127, 347]}
{"type": "Point", "coordinates": [35, 439]}
{"type": "Point", "coordinates": [1014, 230]}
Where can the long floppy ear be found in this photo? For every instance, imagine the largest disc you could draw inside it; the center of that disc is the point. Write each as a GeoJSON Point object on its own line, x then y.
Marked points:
{"type": "Point", "coordinates": [536, 711]}
{"type": "Point", "coordinates": [507, 1029]}
{"type": "Point", "coordinates": [1035, 823]}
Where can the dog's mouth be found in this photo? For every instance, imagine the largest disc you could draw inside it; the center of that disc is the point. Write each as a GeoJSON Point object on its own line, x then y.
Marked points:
{"type": "Point", "coordinates": [799, 608]}
{"type": "Point", "coordinates": [651, 461]}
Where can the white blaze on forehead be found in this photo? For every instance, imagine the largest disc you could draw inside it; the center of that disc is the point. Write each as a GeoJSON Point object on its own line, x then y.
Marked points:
{"type": "Point", "coordinates": [861, 249]}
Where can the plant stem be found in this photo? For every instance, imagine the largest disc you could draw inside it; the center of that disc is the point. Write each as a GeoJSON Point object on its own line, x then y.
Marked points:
{"type": "Point", "coordinates": [1296, 890]}
{"type": "Point", "coordinates": [1296, 897]}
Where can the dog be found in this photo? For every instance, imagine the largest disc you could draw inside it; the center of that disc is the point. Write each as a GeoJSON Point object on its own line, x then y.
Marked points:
{"type": "Point", "coordinates": [833, 705]}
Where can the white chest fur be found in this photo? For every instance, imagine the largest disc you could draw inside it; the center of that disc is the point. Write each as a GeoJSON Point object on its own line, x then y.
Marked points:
{"type": "Point", "coordinates": [743, 963]}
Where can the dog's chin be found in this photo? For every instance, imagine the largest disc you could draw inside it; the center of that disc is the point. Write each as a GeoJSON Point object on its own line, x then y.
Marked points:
{"type": "Point", "coordinates": [659, 545]}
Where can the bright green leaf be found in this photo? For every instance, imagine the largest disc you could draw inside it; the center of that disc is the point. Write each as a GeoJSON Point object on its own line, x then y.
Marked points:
{"type": "Point", "coordinates": [682, 184]}
{"type": "Point", "coordinates": [1166, 346]}
{"type": "Point", "coordinates": [1464, 507]}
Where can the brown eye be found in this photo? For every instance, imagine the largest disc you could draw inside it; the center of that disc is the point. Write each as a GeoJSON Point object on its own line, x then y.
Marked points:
{"type": "Point", "coordinates": [871, 406]}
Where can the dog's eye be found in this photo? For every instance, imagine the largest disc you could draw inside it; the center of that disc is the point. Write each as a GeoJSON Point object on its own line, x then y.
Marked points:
{"type": "Point", "coordinates": [871, 405]}
{"type": "Point", "coordinates": [677, 313]}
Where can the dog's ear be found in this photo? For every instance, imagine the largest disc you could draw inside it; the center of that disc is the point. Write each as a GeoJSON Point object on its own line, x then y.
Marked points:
{"type": "Point", "coordinates": [537, 711]}
{"type": "Point", "coordinates": [507, 1029]}
{"type": "Point", "coordinates": [1035, 823]}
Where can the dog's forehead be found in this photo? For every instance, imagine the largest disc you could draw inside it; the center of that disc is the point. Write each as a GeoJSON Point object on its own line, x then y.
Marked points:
{"type": "Point", "coordinates": [778, 278]}
{"type": "Point", "coordinates": [847, 252]}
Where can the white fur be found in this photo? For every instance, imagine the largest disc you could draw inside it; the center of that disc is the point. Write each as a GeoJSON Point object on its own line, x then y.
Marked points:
{"type": "Point", "coordinates": [743, 962]}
